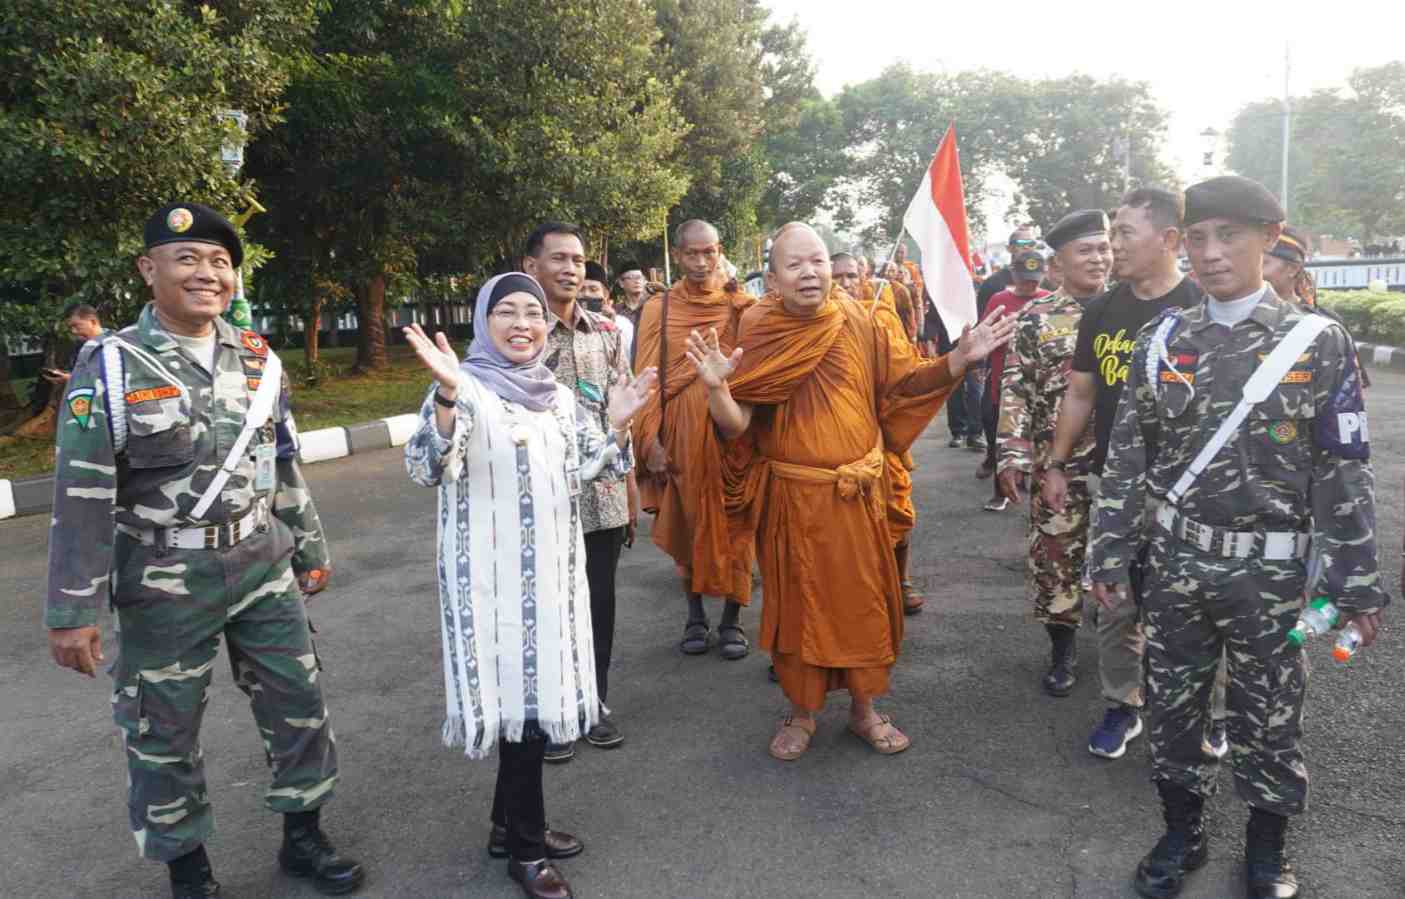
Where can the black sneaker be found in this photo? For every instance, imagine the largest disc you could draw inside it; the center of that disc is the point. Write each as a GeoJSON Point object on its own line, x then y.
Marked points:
{"type": "Point", "coordinates": [559, 753]}
{"type": "Point", "coordinates": [604, 735]}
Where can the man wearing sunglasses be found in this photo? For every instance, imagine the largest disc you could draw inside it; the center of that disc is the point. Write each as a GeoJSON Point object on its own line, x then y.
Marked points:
{"type": "Point", "coordinates": [1020, 240]}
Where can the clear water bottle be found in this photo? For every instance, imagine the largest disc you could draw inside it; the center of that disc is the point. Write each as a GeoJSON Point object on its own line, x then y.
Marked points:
{"type": "Point", "coordinates": [1318, 618]}
{"type": "Point", "coordinates": [1347, 644]}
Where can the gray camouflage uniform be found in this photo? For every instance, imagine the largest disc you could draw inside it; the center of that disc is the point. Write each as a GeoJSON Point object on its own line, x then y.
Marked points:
{"type": "Point", "coordinates": [173, 604]}
{"type": "Point", "coordinates": [1299, 463]}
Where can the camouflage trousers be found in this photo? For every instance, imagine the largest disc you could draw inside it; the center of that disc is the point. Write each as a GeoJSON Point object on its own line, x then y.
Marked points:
{"type": "Point", "coordinates": [172, 607]}
{"type": "Point", "coordinates": [1057, 544]}
{"type": "Point", "coordinates": [1195, 607]}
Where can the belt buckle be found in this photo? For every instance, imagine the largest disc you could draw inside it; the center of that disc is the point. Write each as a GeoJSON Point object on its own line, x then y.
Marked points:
{"type": "Point", "coordinates": [212, 538]}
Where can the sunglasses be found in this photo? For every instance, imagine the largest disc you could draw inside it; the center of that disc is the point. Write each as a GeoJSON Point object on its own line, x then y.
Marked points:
{"type": "Point", "coordinates": [1022, 244]}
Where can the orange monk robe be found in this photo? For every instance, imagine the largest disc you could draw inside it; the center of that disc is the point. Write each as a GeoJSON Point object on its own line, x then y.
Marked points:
{"type": "Point", "coordinates": [829, 391]}
{"type": "Point", "coordinates": [916, 271]}
{"type": "Point", "coordinates": [902, 512]}
{"type": "Point", "coordinates": [678, 416]}
{"type": "Point", "coordinates": [907, 314]}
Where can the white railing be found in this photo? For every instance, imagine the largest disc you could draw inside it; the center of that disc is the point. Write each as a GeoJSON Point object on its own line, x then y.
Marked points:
{"type": "Point", "coordinates": [1357, 274]}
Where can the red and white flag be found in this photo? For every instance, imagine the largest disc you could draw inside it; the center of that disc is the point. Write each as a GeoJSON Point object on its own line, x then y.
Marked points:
{"type": "Point", "coordinates": [936, 219]}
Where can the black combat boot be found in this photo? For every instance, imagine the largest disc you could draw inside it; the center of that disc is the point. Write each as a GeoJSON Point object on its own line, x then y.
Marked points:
{"type": "Point", "coordinates": [308, 853]}
{"type": "Point", "coordinates": [1063, 673]}
{"type": "Point", "coordinates": [1266, 867]}
{"type": "Point", "coordinates": [191, 877]}
{"type": "Point", "coordinates": [1183, 849]}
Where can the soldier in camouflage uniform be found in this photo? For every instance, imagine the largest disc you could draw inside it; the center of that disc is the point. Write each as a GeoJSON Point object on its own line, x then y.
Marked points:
{"type": "Point", "coordinates": [1036, 375]}
{"type": "Point", "coordinates": [1227, 564]}
{"type": "Point", "coordinates": [151, 415]}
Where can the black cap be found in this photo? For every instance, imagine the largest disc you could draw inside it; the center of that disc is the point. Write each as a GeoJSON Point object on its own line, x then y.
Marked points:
{"type": "Point", "coordinates": [193, 223]}
{"type": "Point", "coordinates": [1028, 265]}
{"type": "Point", "coordinates": [1231, 197]}
{"type": "Point", "coordinates": [594, 271]}
{"type": "Point", "coordinates": [1078, 224]}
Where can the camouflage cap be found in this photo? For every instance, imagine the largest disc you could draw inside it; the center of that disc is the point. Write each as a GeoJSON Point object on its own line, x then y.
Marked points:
{"type": "Point", "coordinates": [193, 223]}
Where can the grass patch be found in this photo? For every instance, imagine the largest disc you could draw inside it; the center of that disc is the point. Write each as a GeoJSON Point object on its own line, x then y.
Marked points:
{"type": "Point", "coordinates": [338, 398]}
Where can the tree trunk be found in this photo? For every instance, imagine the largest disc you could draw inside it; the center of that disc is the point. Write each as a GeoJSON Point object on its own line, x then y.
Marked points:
{"type": "Point", "coordinates": [11, 409]}
{"type": "Point", "coordinates": [44, 423]}
{"type": "Point", "coordinates": [370, 309]}
{"type": "Point", "coordinates": [310, 327]}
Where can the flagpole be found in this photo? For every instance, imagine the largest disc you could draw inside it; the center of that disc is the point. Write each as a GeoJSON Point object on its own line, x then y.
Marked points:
{"type": "Point", "coordinates": [894, 254]}
{"type": "Point", "coordinates": [667, 274]}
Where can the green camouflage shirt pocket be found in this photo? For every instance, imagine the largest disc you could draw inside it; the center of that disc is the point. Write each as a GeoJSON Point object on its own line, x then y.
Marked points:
{"type": "Point", "coordinates": [1280, 437]}
{"type": "Point", "coordinates": [158, 431]}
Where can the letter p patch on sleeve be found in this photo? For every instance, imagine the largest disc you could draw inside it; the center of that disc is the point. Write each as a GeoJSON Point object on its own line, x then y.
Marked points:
{"type": "Point", "coordinates": [1341, 427]}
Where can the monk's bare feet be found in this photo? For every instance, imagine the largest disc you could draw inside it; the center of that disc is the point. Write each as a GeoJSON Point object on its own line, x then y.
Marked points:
{"type": "Point", "coordinates": [792, 737]}
{"type": "Point", "coordinates": [878, 731]}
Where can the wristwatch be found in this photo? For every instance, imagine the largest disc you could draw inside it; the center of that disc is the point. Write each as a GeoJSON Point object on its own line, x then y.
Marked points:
{"type": "Point", "coordinates": [1057, 465]}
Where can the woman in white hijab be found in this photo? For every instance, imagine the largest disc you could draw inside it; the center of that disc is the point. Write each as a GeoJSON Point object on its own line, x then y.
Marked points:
{"type": "Point", "coordinates": [504, 444]}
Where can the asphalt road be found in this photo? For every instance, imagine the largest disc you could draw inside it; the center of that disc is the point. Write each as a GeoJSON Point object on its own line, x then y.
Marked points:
{"type": "Point", "coordinates": [998, 796]}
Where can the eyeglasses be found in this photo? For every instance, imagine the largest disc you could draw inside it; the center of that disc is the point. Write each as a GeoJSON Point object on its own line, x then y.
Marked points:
{"type": "Point", "coordinates": [532, 316]}
{"type": "Point", "coordinates": [1023, 243]}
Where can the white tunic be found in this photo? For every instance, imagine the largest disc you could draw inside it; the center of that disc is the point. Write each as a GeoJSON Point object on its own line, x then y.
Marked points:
{"type": "Point", "coordinates": [514, 602]}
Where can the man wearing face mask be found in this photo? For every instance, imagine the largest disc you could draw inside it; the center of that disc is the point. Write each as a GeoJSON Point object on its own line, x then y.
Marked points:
{"type": "Point", "coordinates": [1241, 441]}
{"type": "Point", "coordinates": [585, 353]}
{"type": "Point", "coordinates": [1032, 389]}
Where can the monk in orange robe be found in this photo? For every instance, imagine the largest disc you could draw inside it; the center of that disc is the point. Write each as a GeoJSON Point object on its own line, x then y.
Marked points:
{"type": "Point", "coordinates": [673, 433]}
{"type": "Point", "coordinates": [902, 299]}
{"type": "Point", "coordinates": [814, 392]}
{"type": "Point", "coordinates": [847, 273]}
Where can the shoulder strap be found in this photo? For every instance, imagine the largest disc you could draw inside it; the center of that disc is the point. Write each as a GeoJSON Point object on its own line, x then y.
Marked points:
{"type": "Point", "coordinates": [1257, 389]}
{"type": "Point", "coordinates": [260, 410]}
{"type": "Point", "coordinates": [663, 359]}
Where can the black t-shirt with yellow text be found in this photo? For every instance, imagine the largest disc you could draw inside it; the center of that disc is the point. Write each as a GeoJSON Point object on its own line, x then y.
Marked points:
{"type": "Point", "coordinates": [1106, 335]}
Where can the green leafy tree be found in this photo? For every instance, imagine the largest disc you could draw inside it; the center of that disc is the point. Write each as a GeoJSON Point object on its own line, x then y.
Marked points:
{"type": "Point", "coordinates": [109, 109]}
{"type": "Point", "coordinates": [1068, 152]}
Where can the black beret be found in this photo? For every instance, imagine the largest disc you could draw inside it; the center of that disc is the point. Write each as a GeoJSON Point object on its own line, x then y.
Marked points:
{"type": "Point", "coordinates": [191, 222]}
{"type": "Point", "coordinates": [1231, 197]}
{"type": "Point", "coordinates": [1028, 265]}
{"type": "Point", "coordinates": [1078, 224]}
{"type": "Point", "coordinates": [594, 271]}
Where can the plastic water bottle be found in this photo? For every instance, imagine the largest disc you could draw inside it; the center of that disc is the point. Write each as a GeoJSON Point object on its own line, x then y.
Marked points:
{"type": "Point", "coordinates": [1318, 618]}
{"type": "Point", "coordinates": [1347, 644]}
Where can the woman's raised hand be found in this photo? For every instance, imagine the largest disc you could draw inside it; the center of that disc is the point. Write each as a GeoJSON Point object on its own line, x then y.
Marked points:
{"type": "Point", "coordinates": [626, 399]}
{"type": "Point", "coordinates": [437, 356]}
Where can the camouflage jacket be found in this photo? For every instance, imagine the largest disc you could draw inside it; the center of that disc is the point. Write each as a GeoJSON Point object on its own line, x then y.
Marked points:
{"type": "Point", "coordinates": [177, 438]}
{"type": "Point", "coordinates": [589, 357]}
{"type": "Point", "coordinates": [1037, 370]}
{"type": "Point", "coordinates": [1300, 461]}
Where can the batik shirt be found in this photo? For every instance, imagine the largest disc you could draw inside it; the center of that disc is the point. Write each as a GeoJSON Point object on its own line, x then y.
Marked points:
{"type": "Point", "coordinates": [589, 357]}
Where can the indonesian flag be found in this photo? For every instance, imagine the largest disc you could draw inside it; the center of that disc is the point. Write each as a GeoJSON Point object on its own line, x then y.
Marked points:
{"type": "Point", "coordinates": [936, 219]}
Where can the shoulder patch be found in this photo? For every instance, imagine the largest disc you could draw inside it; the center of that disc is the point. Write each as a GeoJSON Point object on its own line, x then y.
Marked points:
{"type": "Point", "coordinates": [254, 343]}
{"type": "Point", "coordinates": [80, 406]}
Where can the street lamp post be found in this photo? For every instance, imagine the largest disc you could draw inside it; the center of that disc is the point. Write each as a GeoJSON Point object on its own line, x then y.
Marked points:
{"type": "Point", "coordinates": [1211, 140]}
{"type": "Point", "coordinates": [239, 314]}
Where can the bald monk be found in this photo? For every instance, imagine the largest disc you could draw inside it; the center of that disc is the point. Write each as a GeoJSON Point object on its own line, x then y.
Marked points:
{"type": "Point", "coordinates": [913, 270]}
{"type": "Point", "coordinates": [909, 312]}
{"type": "Point", "coordinates": [847, 273]}
{"type": "Point", "coordinates": [813, 393]}
{"type": "Point", "coordinates": [673, 432]}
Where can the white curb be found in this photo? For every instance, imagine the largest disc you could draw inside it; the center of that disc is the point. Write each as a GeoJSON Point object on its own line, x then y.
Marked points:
{"type": "Point", "coordinates": [323, 444]}
{"type": "Point", "coordinates": [402, 428]}
{"type": "Point", "coordinates": [7, 499]}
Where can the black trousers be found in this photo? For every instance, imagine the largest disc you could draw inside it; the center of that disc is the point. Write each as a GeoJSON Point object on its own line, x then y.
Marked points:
{"type": "Point", "coordinates": [518, 804]}
{"type": "Point", "coordinates": [602, 559]}
{"type": "Point", "coordinates": [990, 416]}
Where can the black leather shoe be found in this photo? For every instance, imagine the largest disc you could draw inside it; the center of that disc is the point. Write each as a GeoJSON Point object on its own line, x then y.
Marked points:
{"type": "Point", "coordinates": [539, 879]}
{"type": "Point", "coordinates": [1267, 871]}
{"type": "Point", "coordinates": [308, 853]}
{"type": "Point", "coordinates": [1063, 672]}
{"type": "Point", "coordinates": [202, 890]}
{"type": "Point", "coordinates": [558, 845]}
{"type": "Point", "coordinates": [559, 753]}
{"type": "Point", "coordinates": [1184, 848]}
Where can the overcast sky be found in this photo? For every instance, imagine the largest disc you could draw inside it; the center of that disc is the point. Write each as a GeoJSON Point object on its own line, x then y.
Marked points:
{"type": "Point", "coordinates": [1203, 60]}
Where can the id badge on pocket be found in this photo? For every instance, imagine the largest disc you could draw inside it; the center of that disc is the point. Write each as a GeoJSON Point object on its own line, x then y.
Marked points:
{"type": "Point", "coordinates": [265, 472]}
{"type": "Point", "coordinates": [573, 481]}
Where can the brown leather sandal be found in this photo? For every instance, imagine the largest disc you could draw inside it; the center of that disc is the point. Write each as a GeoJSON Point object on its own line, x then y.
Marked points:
{"type": "Point", "coordinates": [792, 727]}
{"type": "Point", "coordinates": [882, 735]}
